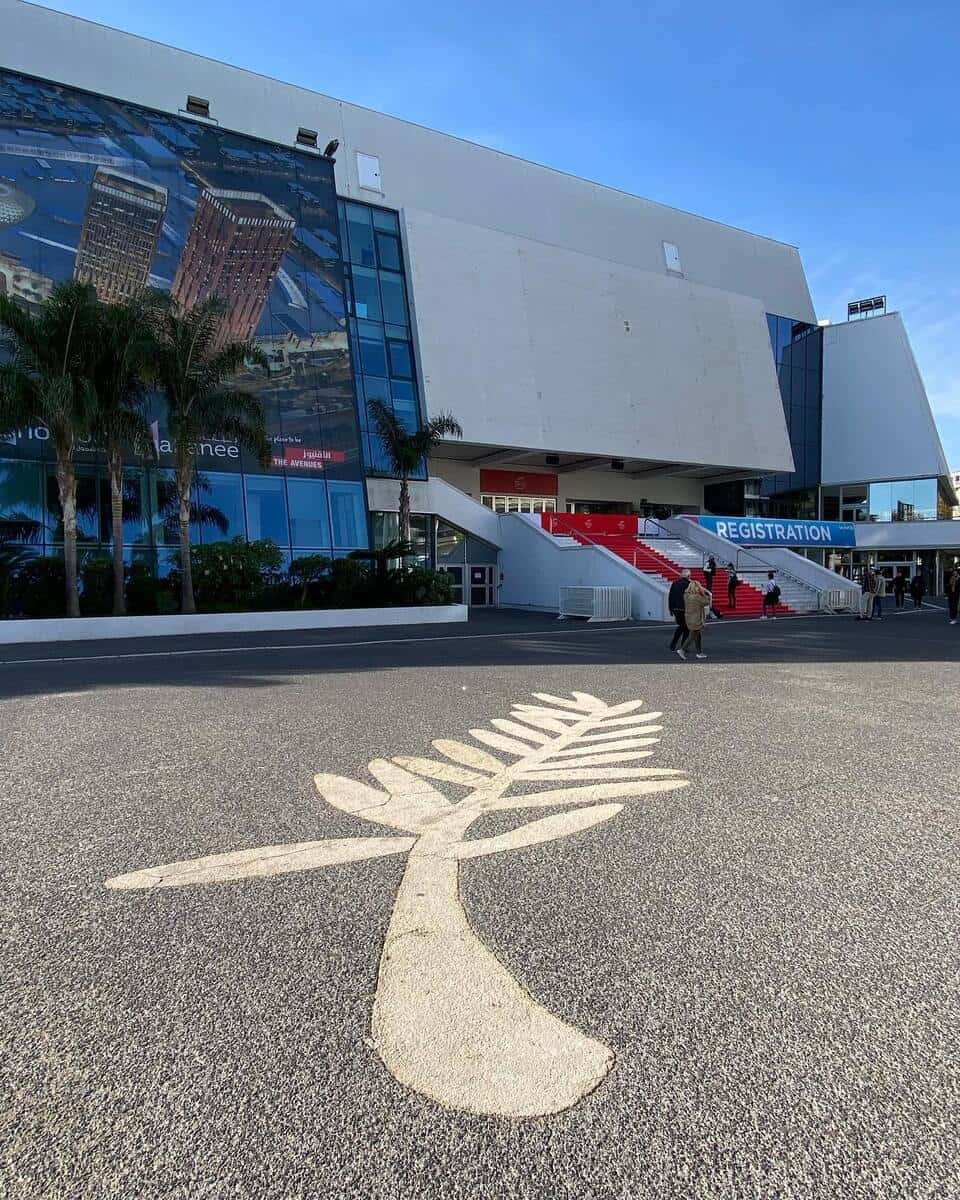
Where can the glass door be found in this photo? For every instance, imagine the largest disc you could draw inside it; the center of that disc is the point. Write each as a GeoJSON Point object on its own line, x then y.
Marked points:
{"type": "Point", "coordinates": [483, 589]}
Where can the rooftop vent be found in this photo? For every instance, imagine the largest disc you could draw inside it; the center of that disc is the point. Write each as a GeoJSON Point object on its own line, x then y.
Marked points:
{"type": "Point", "coordinates": [307, 137]}
{"type": "Point", "coordinates": [198, 107]}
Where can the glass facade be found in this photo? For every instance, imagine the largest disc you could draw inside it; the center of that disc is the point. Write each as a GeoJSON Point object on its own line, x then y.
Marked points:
{"type": "Point", "coordinates": [123, 197]}
{"type": "Point", "coordinates": [906, 500]}
{"type": "Point", "coordinates": [379, 323]}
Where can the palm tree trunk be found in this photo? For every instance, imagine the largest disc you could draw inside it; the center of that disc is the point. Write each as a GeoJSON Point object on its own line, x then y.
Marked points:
{"type": "Point", "coordinates": [116, 516]}
{"type": "Point", "coordinates": [404, 514]}
{"type": "Point", "coordinates": [67, 487]}
{"type": "Point", "coordinates": [184, 481]}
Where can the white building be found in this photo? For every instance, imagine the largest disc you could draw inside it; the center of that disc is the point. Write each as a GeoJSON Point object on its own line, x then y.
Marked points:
{"type": "Point", "coordinates": [603, 353]}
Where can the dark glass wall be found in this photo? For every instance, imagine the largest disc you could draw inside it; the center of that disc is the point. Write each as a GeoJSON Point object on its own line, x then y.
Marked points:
{"type": "Point", "coordinates": [798, 354]}
{"type": "Point", "coordinates": [124, 197]}
{"type": "Point", "coordinates": [380, 324]}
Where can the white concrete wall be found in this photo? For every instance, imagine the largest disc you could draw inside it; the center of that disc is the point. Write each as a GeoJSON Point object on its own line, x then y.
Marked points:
{"type": "Point", "coordinates": [583, 485]}
{"type": "Point", "coordinates": [420, 168]}
{"type": "Point", "coordinates": [535, 565]}
{"type": "Point", "coordinates": [92, 629]}
{"type": "Point", "coordinates": [523, 277]}
{"type": "Point", "coordinates": [877, 423]}
{"type": "Point", "coordinates": [438, 497]}
{"type": "Point", "coordinates": [545, 348]}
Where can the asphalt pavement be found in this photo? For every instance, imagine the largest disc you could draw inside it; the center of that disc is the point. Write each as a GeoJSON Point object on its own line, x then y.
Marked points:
{"type": "Point", "coordinates": [769, 954]}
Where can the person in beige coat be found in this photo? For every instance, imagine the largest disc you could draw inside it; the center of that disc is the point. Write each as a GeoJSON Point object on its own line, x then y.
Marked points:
{"type": "Point", "coordinates": [696, 604]}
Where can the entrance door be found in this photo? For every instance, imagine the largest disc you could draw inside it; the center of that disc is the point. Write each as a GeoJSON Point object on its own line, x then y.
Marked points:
{"type": "Point", "coordinates": [483, 588]}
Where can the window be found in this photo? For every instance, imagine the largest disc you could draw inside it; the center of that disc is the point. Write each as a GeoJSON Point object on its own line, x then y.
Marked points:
{"type": "Point", "coordinates": [671, 256]}
{"type": "Point", "coordinates": [394, 298]}
{"type": "Point", "coordinates": [88, 509]}
{"type": "Point", "coordinates": [348, 515]}
{"type": "Point", "coordinates": [309, 519]}
{"type": "Point", "coordinates": [368, 171]}
{"type": "Point", "coordinates": [218, 507]}
{"type": "Point", "coordinates": [366, 294]}
{"type": "Point", "coordinates": [22, 515]}
{"type": "Point", "coordinates": [401, 360]}
{"type": "Point", "coordinates": [388, 248]}
{"type": "Point", "coordinates": [266, 508]}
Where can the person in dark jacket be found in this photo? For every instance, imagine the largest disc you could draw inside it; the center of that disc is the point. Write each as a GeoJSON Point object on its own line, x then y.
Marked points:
{"type": "Point", "coordinates": [733, 582]}
{"type": "Point", "coordinates": [899, 587]}
{"type": "Point", "coordinates": [917, 589]}
{"type": "Point", "coordinates": [952, 588]}
{"type": "Point", "coordinates": [678, 610]}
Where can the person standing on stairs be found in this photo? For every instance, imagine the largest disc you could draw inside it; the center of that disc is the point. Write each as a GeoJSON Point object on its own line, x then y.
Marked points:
{"type": "Point", "coordinates": [733, 582]}
{"type": "Point", "coordinates": [696, 603]}
{"type": "Point", "coordinates": [678, 610]}
{"type": "Point", "coordinates": [771, 596]}
{"type": "Point", "coordinates": [709, 575]}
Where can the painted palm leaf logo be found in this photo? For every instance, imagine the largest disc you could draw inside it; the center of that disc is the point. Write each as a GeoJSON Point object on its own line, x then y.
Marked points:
{"type": "Point", "coordinates": [449, 1020]}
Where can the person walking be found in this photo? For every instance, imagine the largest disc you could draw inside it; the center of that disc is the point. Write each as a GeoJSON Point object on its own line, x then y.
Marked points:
{"type": "Point", "coordinates": [771, 595]}
{"type": "Point", "coordinates": [917, 590]}
{"type": "Point", "coordinates": [696, 602]}
{"type": "Point", "coordinates": [880, 590]}
{"type": "Point", "coordinates": [733, 582]}
{"type": "Point", "coordinates": [899, 587]}
{"type": "Point", "coordinates": [868, 591]}
{"type": "Point", "coordinates": [678, 610]}
{"type": "Point", "coordinates": [952, 589]}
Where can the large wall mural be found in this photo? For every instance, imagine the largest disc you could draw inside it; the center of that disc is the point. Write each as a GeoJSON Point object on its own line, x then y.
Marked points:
{"type": "Point", "coordinates": [123, 197]}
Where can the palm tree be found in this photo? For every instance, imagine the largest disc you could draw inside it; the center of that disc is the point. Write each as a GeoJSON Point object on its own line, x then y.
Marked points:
{"type": "Point", "coordinates": [126, 364]}
{"type": "Point", "coordinates": [193, 366]}
{"type": "Point", "coordinates": [46, 381]}
{"type": "Point", "coordinates": [406, 450]}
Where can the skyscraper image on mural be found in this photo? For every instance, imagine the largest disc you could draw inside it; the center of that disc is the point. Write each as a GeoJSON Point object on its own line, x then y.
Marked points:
{"type": "Point", "coordinates": [123, 198]}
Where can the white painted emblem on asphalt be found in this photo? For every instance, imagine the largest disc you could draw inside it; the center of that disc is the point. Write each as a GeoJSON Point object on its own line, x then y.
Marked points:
{"type": "Point", "coordinates": [449, 1020]}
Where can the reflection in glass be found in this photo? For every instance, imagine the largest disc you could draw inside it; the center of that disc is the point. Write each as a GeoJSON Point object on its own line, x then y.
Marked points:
{"type": "Point", "coordinates": [309, 520]}
{"type": "Point", "coordinates": [88, 509]}
{"type": "Point", "coordinates": [348, 515]}
{"type": "Point", "coordinates": [266, 509]}
{"type": "Point", "coordinates": [22, 513]}
{"type": "Point", "coordinates": [394, 298]}
{"type": "Point", "coordinates": [218, 506]}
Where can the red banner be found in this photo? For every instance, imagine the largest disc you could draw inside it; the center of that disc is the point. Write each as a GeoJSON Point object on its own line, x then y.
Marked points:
{"type": "Point", "coordinates": [518, 483]}
{"type": "Point", "coordinates": [597, 525]}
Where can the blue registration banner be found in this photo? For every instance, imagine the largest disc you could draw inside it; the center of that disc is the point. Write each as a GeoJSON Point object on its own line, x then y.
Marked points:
{"type": "Point", "coordinates": [759, 531]}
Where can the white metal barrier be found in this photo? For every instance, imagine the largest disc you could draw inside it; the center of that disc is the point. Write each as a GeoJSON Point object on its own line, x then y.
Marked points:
{"type": "Point", "coordinates": [596, 603]}
{"type": "Point", "coordinates": [840, 598]}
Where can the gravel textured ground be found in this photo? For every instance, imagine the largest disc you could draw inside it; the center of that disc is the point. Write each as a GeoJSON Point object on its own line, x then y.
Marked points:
{"type": "Point", "coordinates": [771, 953]}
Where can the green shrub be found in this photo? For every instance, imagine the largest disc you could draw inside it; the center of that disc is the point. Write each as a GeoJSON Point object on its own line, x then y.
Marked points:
{"type": "Point", "coordinates": [96, 585]}
{"type": "Point", "coordinates": [37, 589]}
{"type": "Point", "coordinates": [421, 585]}
{"type": "Point", "coordinates": [236, 574]}
{"type": "Point", "coordinates": [351, 585]}
{"type": "Point", "coordinates": [310, 578]}
{"type": "Point", "coordinates": [147, 593]}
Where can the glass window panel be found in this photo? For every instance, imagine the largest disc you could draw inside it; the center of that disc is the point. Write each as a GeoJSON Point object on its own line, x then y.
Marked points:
{"type": "Point", "coordinates": [480, 552]}
{"type": "Point", "coordinates": [451, 543]}
{"type": "Point", "coordinates": [360, 234]}
{"type": "Point", "coordinates": [366, 294]}
{"type": "Point", "coordinates": [389, 251]}
{"type": "Point", "coordinates": [309, 518]}
{"type": "Point", "coordinates": [386, 527]}
{"type": "Point", "coordinates": [387, 221]}
{"type": "Point", "coordinates": [394, 298]}
{"type": "Point", "coordinates": [397, 331]}
{"type": "Point", "coordinates": [401, 359]}
{"type": "Point", "coordinates": [218, 507]}
{"type": "Point", "coordinates": [348, 515]}
{"type": "Point", "coordinates": [164, 508]}
{"type": "Point", "coordinates": [360, 213]}
{"type": "Point", "coordinates": [373, 354]}
{"type": "Point", "coordinates": [22, 514]}
{"type": "Point", "coordinates": [266, 508]}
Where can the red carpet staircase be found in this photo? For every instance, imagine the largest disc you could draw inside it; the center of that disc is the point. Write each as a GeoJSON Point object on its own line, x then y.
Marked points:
{"type": "Point", "coordinates": [618, 534]}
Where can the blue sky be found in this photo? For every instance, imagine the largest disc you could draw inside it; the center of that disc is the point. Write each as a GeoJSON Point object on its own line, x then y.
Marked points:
{"type": "Point", "coordinates": [832, 126]}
